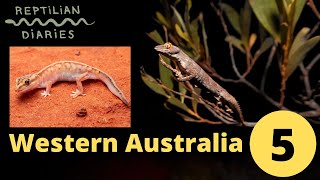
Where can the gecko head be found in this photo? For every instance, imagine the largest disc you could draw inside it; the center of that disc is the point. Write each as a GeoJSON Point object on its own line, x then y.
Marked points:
{"type": "Point", "coordinates": [167, 49]}
{"type": "Point", "coordinates": [25, 83]}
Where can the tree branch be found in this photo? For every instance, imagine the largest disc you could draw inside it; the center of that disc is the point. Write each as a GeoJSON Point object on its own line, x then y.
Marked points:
{"type": "Point", "coordinates": [305, 74]}
{"type": "Point", "coordinates": [266, 69]}
{"type": "Point", "coordinates": [313, 7]}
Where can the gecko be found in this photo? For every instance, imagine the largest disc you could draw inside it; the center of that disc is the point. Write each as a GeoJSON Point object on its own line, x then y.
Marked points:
{"type": "Point", "coordinates": [193, 70]}
{"type": "Point", "coordinates": [66, 71]}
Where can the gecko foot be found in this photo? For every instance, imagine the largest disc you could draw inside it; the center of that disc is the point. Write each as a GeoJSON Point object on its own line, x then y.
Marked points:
{"type": "Point", "coordinates": [228, 109]}
{"type": "Point", "coordinates": [45, 94]}
{"type": "Point", "coordinates": [76, 93]}
{"type": "Point", "coordinates": [178, 73]}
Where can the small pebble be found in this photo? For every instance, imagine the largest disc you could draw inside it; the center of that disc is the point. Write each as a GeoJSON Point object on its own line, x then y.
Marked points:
{"type": "Point", "coordinates": [82, 112]}
{"type": "Point", "coordinates": [77, 53]}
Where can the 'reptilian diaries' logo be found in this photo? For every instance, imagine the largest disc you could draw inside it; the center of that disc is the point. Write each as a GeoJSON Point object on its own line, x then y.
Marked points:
{"type": "Point", "coordinates": [48, 12]}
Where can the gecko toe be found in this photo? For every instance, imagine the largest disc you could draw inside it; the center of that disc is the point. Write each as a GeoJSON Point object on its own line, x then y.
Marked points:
{"type": "Point", "coordinates": [76, 93]}
{"type": "Point", "coordinates": [45, 94]}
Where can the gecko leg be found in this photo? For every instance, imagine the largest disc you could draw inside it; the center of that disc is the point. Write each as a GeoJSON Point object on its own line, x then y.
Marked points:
{"type": "Point", "coordinates": [48, 88]}
{"type": "Point", "coordinates": [169, 66]}
{"type": "Point", "coordinates": [79, 90]}
{"type": "Point", "coordinates": [177, 72]}
{"type": "Point", "coordinates": [219, 103]}
{"type": "Point", "coordinates": [185, 78]}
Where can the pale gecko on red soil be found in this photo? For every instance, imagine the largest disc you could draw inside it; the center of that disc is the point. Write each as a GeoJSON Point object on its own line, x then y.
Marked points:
{"type": "Point", "coordinates": [67, 71]}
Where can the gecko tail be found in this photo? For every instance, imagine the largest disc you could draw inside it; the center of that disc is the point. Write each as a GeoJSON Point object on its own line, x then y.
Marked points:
{"type": "Point", "coordinates": [112, 86]}
{"type": "Point", "coordinates": [249, 124]}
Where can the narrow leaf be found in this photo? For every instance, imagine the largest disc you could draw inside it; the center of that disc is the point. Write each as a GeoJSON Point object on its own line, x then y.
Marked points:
{"type": "Point", "coordinates": [182, 90]}
{"type": "Point", "coordinates": [268, 15]}
{"type": "Point", "coordinates": [165, 74]}
{"type": "Point", "coordinates": [285, 25]}
{"type": "Point", "coordinates": [252, 40]}
{"type": "Point", "coordinates": [245, 22]}
{"type": "Point", "coordinates": [195, 102]}
{"type": "Point", "coordinates": [232, 15]}
{"type": "Point", "coordinates": [297, 57]}
{"type": "Point", "coordinates": [194, 27]}
{"type": "Point", "coordinates": [154, 35]}
{"type": "Point", "coordinates": [235, 42]}
{"type": "Point", "coordinates": [162, 19]}
{"type": "Point", "coordinates": [267, 43]}
{"type": "Point", "coordinates": [182, 34]}
{"type": "Point", "coordinates": [284, 10]}
{"type": "Point", "coordinates": [291, 12]}
{"type": "Point", "coordinates": [188, 6]}
{"type": "Point", "coordinates": [299, 40]}
{"type": "Point", "coordinates": [299, 5]}
{"type": "Point", "coordinates": [179, 18]}
{"type": "Point", "coordinates": [152, 83]}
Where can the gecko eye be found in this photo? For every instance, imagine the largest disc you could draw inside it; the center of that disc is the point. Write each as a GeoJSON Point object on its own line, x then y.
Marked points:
{"type": "Point", "coordinates": [27, 82]}
{"type": "Point", "coordinates": [168, 45]}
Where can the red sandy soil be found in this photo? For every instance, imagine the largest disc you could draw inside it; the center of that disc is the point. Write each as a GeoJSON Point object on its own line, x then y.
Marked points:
{"type": "Point", "coordinates": [59, 110]}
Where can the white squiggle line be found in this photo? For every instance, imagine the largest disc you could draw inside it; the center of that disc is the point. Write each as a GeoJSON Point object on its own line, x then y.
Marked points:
{"type": "Point", "coordinates": [10, 21]}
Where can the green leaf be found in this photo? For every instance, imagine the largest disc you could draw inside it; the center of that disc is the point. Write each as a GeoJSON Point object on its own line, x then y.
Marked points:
{"type": "Point", "coordinates": [194, 27]}
{"type": "Point", "coordinates": [182, 34]}
{"type": "Point", "coordinates": [284, 18]}
{"type": "Point", "coordinates": [165, 73]}
{"type": "Point", "coordinates": [268, 15]}
{"type": "Point", "coordinates": [154, 35]}
{"type": "Point", "coordinates": [232, 15]}
{"type": "Point", "coordinates": [162, 19]}
{"type": "Point", "coordinates": [176, 102]}
{"type": "Point", "coordinates": [291, 12]}
{"type": "Point", "coordinates": [179, 18]}
{"type": "Point", "coordinates": [284, 9]}
{"type": "Point", "coordinates": [299, 40]}
{"type": "Point", "coordinates": [182, 90]}
{"type": "Point", "coordinates": [235, 42]}
{"type": "Point", "coordinates": [299, 5]}
{"type": "Point", "coordinates": [195, 102]}
{"type": "Point", "coordinates": [245, 24]}
{"type": "Point", "coordinates": [267, 43]}
{"type": "Point", "coordinates": [297, 57]}
{"type": "Point", "coordinates": [152, 83]}
{"type": "Point", "coordinates": [188, 6]}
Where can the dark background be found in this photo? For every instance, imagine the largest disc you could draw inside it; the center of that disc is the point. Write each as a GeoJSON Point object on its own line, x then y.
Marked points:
{"type": "Point", "coordinates": [125, 23]}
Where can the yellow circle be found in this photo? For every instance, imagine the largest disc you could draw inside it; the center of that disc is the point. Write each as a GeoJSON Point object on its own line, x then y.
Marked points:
{"type": "Point", "coordinates": [270, 143]}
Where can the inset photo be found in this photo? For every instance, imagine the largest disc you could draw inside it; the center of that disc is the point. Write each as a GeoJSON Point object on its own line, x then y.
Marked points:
{"type": "Point", "coordinates": [70, 86]}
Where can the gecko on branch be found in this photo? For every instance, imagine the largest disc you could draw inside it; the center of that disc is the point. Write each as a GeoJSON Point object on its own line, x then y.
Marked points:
{"type": "Point", "coordinates": [67, 71]}
{"type": "Point", "coordinates": [191, 70]}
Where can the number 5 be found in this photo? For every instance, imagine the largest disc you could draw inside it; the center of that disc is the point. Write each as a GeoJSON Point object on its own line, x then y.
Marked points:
{"type": "Point", "coordinates": [287, 145]}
